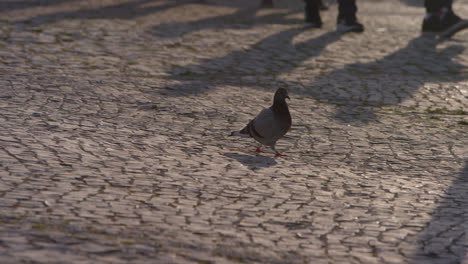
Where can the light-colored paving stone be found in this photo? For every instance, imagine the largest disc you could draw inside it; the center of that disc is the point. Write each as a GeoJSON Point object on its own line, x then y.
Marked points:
{"type": "Point", "coordinates": [115, 115]}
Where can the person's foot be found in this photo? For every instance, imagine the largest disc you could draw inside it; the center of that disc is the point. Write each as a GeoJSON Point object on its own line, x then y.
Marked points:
{"type": "Point", "coordinates": [448, 19]}
{"type": "Point", "coordinates": [445, 20]}
{"type": "Point", "coordinates": [312, 15]}
{"type": "Point", "coordinates": [345, 26]}
{"type": "Point", "coordinates": [431, 23]}
{"type": "Point", "coordinates": [313, 20]}
{"type": "Point", "coordinates": [313, 24]}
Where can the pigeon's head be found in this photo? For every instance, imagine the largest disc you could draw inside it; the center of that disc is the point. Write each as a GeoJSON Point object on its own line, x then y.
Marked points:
{"type": "Point", "coordinates": [281, 94]}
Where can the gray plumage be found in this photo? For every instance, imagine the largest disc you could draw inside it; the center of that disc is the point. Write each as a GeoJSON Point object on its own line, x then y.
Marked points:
{"type": "Point", "coordinates": [270, 124]}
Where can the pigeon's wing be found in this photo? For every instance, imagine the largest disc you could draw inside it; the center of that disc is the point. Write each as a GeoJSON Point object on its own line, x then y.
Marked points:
{"type": "Point", "coordinates": [250, 130]}
{"type": "Point", "coordinates": [265, 127]}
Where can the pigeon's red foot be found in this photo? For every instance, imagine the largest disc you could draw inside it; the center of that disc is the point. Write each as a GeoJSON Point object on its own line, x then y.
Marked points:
{"type": "Point", "coordinates": [258, 150]}
{"type": "Point", "coordinates": [279, 154]}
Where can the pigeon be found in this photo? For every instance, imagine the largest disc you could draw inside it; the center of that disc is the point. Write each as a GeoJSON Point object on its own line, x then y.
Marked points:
{"type": "Point", "coordinates": [270, 124]}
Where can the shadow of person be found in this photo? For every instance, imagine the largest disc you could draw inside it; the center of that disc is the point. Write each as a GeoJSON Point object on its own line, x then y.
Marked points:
{"type": "Point", "coordinates": [10, 6]}
{"type": "Point", "coordinates": [243, 17]}
{"type": "Point", "coordinates": [445, 238]}
{"type": "Point", "coordinates": [126, 10]}
{"type": "Point", "coordinates": [252, 162]}
{"type": "Point", "coordinates": [266, 59]}
{"type": "Point", "coordinates": [358, 88]}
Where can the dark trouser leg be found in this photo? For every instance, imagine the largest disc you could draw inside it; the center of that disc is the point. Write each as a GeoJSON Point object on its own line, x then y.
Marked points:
{"type": "Point", "coordinates": [347, 21]}
{"type": "Point", "coordinates": [434, 6]}
{"type": "Point", "coordinates": [267, 3]}
{"type": "Point", "coordinates": [312, 13]}
{"type": "Point", "coordinates": [347, 10]}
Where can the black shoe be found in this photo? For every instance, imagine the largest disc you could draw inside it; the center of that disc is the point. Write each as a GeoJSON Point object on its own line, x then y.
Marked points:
{"type": "Point", "coordinates": [312, 16]}
{"type": "Point", "coordinates": [345, 26]}
{"type": "Point", "coordinates": [312, 25]}
{"type": "Point", "coordinates": [448, 19]}
{"type": "Point", "coordinates": [442, 21]}
{"type": "Point", "coordinates": [431, 23]}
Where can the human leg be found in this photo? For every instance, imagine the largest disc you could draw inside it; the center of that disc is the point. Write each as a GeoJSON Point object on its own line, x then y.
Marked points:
{"type": "Point", "coordinates": [347, 21]}
{"type": "Point", "coordinates": [312, 13]}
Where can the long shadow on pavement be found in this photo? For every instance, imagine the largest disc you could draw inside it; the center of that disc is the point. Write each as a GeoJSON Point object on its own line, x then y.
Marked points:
{"type": "Point", "coordinates": [137, 8]}
{"type": "Point", "coordinates": [243, 17]}
{"type": "Point", "coordinates": [387, 81]}
{"type": "Point", "coordinates": [127, 10]}
{"type": "Point", "coordinates": [356, 89]}
{"type": "Point", "coordinates": [9, 6]}
{"type": "Point", "coordinates": [252, 162]}
{"type": "Point", "coordinates": [445, 239]}
{"type": "Point", "coordinates": [270, 57]}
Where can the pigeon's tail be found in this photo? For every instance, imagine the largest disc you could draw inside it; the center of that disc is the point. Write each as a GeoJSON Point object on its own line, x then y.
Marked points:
{"type": "Point", "coordinates": [240, 133]}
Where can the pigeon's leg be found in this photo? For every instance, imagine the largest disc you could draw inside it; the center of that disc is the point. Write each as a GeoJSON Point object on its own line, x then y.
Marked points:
{"type": "Point", "coordinates": [258, 150]}
{"type": "Point", "coordinates": [279, 154]}
{"type": "Point", "coordinates": [276, 152]}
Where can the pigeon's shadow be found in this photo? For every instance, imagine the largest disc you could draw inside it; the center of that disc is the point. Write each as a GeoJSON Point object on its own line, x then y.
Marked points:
{"type": "Point", "coordinates": [252, 162]}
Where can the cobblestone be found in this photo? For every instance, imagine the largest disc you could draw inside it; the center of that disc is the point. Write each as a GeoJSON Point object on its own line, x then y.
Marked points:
{"type": "Point", "coordinates": [115, 116]}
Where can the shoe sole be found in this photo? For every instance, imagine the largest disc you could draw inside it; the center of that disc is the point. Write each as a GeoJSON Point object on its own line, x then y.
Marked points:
{"type": "Point", "coordinates": [312, 25]}
{"type": "Point", "coordinates": [463, 24]}
{"type": "Point", "coordinates": [346, 29]}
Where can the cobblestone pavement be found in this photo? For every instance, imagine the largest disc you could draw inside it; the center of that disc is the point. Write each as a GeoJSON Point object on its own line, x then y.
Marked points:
{"type": "Point", "coordinates": [115, 115]}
